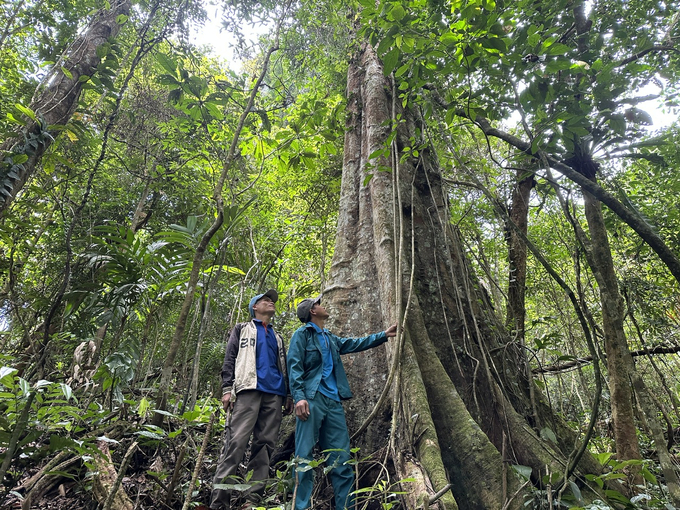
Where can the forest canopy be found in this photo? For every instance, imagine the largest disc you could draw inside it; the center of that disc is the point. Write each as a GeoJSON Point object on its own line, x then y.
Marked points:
{"type": "Point", "coordinates": [499, 178]}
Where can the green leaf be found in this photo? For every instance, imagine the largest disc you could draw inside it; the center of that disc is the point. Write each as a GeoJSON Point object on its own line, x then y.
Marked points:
{"type": "Point", "coordinates": [618, 124]}
{"type": "Point", "coordinates": [390, 61]}
{"type": "Point", "coordinates": [6, 376]}
{"type": "Point", "coordinates": [402, 70]}
{"type": "Point", "coordinates": [11, 118]}
{"type": "Point", "coordinates": [26, 111]}
{"type": "Point", "coordinates": [60, 443]}
{"type": "Point", "coordinates": [66, 390]}
{"type": "Point", "coordinates": [164, 413]}
{"type": "Point", "coordinates": [66, 72]}
{"type": "Point", "coordinates": [523, 471]}
{"type": "Point", "coordinates": [495, 43]}
{"type": "Point", "coordinates": [214, 111]}
{"type": "Point", "coordinates": [397, 12]}
{"type": "Point", "coordinates": [617, 496]}
{"type": "Point", "coordinates": [580, 131]}
{"type": "Point", "coordinates": [167, 63]}
{"type": "Point", "coordinates": [449, 38]}
{"type": "Point", "coordinates": [647, 475]}
{"type": "Point", "coordinates": [107, 440]}
{"type": "Point", "coordinates": [144, 406]}
{"type": "Point", "coordinates": [150, 435]}
{"type": "Point", "coordinates": [534, 38]}
{"type": "Point", "coordinates": [377, 153]}
{"type": "Point", "coordinates": [385, 44]}
{"type": "Point", "coordinates": [557, 65]}
{"type": "Point", "coordinates": [576, 492]}
{"type": "Point", "coordinates": [103, 50]}
{"type": "Point", "coordinates": [558, 49]}
{"type": "Point", "coordinates": [167, 79]}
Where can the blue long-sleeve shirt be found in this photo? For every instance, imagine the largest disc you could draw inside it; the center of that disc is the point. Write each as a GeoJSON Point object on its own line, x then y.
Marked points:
{"type": "Point", "coordinates": [305, 365]}
{"type": "Point", "coordinates": [328, 385]}
{"type": "Point", "coordinates": [269, 377]}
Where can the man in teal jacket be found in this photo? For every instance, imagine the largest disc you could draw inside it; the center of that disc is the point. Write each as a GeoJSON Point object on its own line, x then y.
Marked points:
{"type": "Point", "coordinates": [318, 383]}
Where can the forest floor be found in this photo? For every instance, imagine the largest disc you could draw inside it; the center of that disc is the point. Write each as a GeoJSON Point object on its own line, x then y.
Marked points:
{"type": "Point", "coordinates": [147, 479]}
{"type": "Point", "coordinates": [146, 482]}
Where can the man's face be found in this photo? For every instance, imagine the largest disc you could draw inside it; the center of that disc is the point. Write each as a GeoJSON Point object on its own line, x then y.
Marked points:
{"type": "Point", "coordinates": [319, 311]}
{"type": "Point", "coordinates": [265, 306]}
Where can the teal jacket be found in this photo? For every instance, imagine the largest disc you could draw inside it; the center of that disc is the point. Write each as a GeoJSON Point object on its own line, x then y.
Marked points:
{"type": "Point", "coordinates": [305, 366]}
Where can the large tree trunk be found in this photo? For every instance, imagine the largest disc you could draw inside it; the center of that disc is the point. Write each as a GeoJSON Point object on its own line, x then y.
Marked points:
{"type": "Point", "coordinates": [56, 100]}
{"type": "Point", "coordinates": [463, 396]}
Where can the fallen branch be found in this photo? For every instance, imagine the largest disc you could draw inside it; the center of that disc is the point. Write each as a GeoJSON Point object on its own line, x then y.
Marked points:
{"type": "Point", "coordinates": [43, 481]}
{"type": "Point", "coordinates": [439, 494]}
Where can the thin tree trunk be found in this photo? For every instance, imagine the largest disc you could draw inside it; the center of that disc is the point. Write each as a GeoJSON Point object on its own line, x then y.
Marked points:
{"type": "Point", "coordinates": [630, 217]}
{"type": "Point", "coordinates": [56, 99]}
{"type": "Point", "coordinates": [650, 411]}
{"type": "Point", "coordinates": [180, 326]}
{"type": "Point", "coordinates": [143, 341]}
{"type": "Point", "coordinates": [622, 373]}
{"type": "Point", "coordinates": [517, 254]}
{"type": "Point", "coordinates": [139, 218]}
{"type": "Point", "coordinates": [619, 360]}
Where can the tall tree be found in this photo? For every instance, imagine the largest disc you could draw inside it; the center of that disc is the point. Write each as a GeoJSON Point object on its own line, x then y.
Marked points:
{"type": "Point", "coordinates": [463, 402]}
{"type": "Point", "coordinates": [56, 100]}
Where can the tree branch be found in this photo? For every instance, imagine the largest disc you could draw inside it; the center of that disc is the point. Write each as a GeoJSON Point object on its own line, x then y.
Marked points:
{"type": "Point", "coordinates": [640, 54]}
{"type": "Point", "coordinates": [563, 367]}
{"type": "Point", "coordinates": [641, 227]}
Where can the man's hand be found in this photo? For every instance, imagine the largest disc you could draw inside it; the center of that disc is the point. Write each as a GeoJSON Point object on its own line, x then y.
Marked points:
{"type": "Point", "coordinates": [302, 410]}
{"type": "Point", "coordinates": [227, 404]}
{"type": "Point", "coordinates": [391, 331]}
{"type": "Point", "coordinates": [288, 406]}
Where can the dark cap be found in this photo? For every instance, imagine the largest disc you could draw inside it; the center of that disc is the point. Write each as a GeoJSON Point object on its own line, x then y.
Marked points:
{"type": "Point", "coordinates": [305, 307]}
{"type": "Point", "coordinates": [271, 294]}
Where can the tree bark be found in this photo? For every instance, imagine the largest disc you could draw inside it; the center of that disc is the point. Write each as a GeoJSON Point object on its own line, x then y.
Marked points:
{"type": "Point", "coordinates": [517, 254]}
{"type": "Point", "coordinates": [619, 360]}
{"type": "Point", "coordinates": [105, 481]}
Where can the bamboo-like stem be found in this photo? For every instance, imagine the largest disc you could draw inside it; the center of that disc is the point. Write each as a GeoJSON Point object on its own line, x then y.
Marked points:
{"type": "Point", "coordinates": [199, 461]}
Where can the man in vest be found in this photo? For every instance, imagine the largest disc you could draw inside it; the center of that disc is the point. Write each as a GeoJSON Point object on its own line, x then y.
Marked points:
{"type": "Point", "coordinates": [318, 383]}
{"type": "Point", "coordinates": [254, 390]}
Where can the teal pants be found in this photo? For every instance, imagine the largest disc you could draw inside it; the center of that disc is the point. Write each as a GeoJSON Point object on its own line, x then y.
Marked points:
{"type": "Point", "coordinates": [327, 426]}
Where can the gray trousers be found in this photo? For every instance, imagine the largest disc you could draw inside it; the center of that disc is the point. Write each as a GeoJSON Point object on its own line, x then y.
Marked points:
{"type": "Point", "coordinates": [255, 413]}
